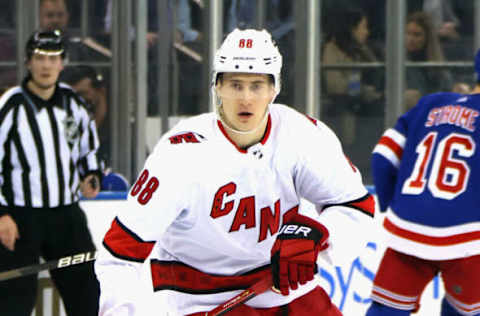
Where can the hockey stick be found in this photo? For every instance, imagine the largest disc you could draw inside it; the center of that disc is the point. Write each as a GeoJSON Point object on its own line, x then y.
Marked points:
{"type": "Point", "coordinates": [50, 265]}
{"type": "Point", "coordinates": [256, 289]}
{"type": "Point", "coordinates": [188, 51]}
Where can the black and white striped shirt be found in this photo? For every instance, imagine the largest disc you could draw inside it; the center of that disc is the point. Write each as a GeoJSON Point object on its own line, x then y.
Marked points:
{"type": "Point", "coordinates": [46, 147]}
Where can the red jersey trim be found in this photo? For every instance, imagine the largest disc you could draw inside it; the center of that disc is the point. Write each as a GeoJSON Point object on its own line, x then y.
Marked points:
{"type": "Point", "coordinates": [313, 120]}
{"type": "Point", "coordinates": [124, 244]}
{"type": "Point", "coordinates": [262, 141]}
{"type": "Point", "coordinates": [430, 240]}
{"type": "Point", "coordinates": [365, 204]}
{"type": "Point", "coordinates": [267, 132]}
{"type": "Point", "coordinates": [177, 276]}
{"type": "Point", "coordinates": [390, 143]}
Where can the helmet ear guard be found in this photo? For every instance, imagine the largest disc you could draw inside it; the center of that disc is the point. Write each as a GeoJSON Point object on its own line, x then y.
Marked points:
{"type": "Point", "coordinates": [248, 51]}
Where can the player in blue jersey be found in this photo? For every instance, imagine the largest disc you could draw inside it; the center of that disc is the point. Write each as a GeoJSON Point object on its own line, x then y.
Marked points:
{"type": "Point", "coordinates": [426, 170]}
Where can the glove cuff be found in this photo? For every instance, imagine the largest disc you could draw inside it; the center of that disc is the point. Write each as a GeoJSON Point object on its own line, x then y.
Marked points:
{"type": "Point", "coordinates": [319, 233]}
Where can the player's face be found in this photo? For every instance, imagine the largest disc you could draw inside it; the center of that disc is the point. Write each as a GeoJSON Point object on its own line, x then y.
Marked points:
{"type": "Point", "coordinates": [245, 99]}
{"type": "Point", "coordinates": [415, 37]}
{"type": "Point", "coordinates": [45, 69]}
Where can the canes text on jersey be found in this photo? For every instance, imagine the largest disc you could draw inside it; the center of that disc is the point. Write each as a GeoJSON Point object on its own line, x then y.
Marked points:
{"type": "Point", "coordinates": [245, 212]}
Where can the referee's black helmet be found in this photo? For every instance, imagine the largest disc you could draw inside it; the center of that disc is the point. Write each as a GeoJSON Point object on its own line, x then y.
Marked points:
{"type": "Point", "coordinates": [45, 42]}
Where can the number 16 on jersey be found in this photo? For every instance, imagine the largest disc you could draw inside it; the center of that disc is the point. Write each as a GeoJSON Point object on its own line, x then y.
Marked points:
{"type": "Point", "coordinates": [449, 173]}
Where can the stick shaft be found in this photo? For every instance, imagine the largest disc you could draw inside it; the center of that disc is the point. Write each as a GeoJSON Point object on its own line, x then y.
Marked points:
{"type": "Point", "coordinates": [256, 289]}
{"type": "Point", "coordinates": [50, 265]}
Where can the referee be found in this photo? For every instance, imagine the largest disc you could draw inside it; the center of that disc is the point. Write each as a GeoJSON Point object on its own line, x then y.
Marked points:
{"type": "Point", "coordinates": [48, 147]}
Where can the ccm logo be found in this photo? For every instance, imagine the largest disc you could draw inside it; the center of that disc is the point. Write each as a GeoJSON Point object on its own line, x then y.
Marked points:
{"type": "Point", "coordinates": [292, 229]}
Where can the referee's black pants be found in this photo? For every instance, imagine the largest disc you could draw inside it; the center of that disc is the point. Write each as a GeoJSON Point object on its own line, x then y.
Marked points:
{"type": "Point", "coordinates": [50, 233]}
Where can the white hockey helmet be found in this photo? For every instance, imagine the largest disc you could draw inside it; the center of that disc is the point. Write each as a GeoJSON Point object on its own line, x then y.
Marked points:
{"type": "Point", "coordinates": [248, 51]}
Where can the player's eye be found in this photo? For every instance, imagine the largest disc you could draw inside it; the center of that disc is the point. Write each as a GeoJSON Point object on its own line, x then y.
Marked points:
{"type": "Point", "coordinates": [236, 85]}
{"type": "Point", "coordinates": [256, 86]}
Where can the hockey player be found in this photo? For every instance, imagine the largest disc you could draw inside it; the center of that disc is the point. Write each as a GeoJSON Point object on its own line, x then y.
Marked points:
{"type": "Point", "coordinates": [427, 169]}
{"type": "Point", "coordinates": [217, 205]}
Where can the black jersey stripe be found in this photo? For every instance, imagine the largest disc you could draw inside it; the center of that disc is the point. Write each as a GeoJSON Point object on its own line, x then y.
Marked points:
{"type": "Point", "coordinates": [37, 138]}
{"type": "Point", "coordinates": [58, 158]}
{"type": "Point", "coordinates": [22, 157]}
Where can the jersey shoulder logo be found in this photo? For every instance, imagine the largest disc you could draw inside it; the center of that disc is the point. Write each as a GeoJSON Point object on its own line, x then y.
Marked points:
{"type": "Point", "coordinates": [186, 137]}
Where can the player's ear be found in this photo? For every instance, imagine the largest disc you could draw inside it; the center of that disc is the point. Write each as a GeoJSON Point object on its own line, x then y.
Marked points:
{"type": "Point", "coordinates": [217, 89]}
{"type": "Point", "coordinates": [218, 84]}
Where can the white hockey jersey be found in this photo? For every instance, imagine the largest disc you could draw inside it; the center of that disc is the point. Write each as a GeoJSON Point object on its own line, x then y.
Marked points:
{"type": "Point", "coordinates": [207, 212]}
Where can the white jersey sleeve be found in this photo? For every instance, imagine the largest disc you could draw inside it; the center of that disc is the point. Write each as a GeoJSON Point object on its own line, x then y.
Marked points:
{"type": "Point", "coordinates": [328, 179]}
{"type": "Point", "coordinates": [133, 233]}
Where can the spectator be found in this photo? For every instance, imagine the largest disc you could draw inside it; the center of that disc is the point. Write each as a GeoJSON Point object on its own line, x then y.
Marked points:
{"type": "Point", "coordinates": [443, 17]}
{"type": "Point", "coordinates": [90, 85]}
{"type": "Point", "coordinates": [453, 22]}
{"type": "Point", "coordinates": [422, 45]}
{"type": "Point", "coordinates": [50, 154]}
{"type": "Point", "coordinates": [242, 14]}
{"type": "Point", "coordinates": [376, 15]}
{"type": "Point", "coordinates": [152, 27]}
{"type": "Point", "coordinates": [152, 41]}
{"type": "Point", "coordinates": [352, 92]}
{"type": "Point", "coordinates": [463, 47]}
{"type": "Point", "coordinates": [189, 33]}
{"type": "Point", "coordinates": [189, 22]}
{"type": "Point", "coordinates": [53, 14]}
